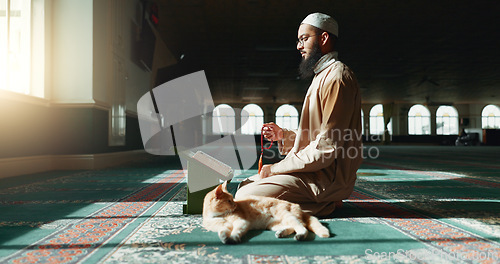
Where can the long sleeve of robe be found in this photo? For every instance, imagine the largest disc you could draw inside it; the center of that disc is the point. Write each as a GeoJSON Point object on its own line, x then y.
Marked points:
{"type": "Point", "coordinates": [327, 144]}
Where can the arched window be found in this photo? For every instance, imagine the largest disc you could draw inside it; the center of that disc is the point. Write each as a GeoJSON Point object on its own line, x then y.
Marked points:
{"type": "Point", "coordinates": [223, 119]}
{"type": "Point", "coordinates": [377, 121]}
{"type": "Point", "coordinates": [419, 120]}
{"type": "Point", "coordinates": [287, 116]}
{"type": "Point", "coordinates": [252, 119]}
{"type": "Point", "coordinates": [446, 120]}
{"type": "Point", "coordinates": [490, 116]}
{"type": "Point", "coordinates": [362, 122]}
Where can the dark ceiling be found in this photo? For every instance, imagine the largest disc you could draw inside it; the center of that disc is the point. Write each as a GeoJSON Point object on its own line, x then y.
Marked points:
{"type": "Point", "coordinates": [401, 51]}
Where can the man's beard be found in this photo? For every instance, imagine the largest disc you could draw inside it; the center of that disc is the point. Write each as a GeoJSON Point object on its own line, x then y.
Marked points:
{"type": "Point", "coordinates": [306, 67]}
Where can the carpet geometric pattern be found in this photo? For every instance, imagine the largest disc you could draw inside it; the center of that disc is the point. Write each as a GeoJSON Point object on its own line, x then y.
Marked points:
{"type": "Point", "coordinates": [410, 205]}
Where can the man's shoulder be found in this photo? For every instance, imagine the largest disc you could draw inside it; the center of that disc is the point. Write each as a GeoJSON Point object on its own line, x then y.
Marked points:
{"type": "Point", "coordinates": [340, 66]}
{"type": "Point", "coordinates": [337, 73]}
{"type": "Point", "coordinates": [338, 70]}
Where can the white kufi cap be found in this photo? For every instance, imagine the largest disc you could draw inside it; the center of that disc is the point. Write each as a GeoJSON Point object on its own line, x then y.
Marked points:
{"type": "Point", "coordinates": [323, 22]}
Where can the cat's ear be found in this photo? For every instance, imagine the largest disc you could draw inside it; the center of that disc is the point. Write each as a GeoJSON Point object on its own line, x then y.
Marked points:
{"type": "Point", "coordinates": [224, 186]}
{"type": "Point", "coordinates": [218, 191]}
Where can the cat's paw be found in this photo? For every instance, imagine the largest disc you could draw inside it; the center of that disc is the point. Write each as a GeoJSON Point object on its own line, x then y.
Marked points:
{"type": "Point", "coordinates": [300, 236]}
{"type": "Point", "coordinates": [283, 233]}
{"type": "Point", "coordinates": [324, 233]}
{"type": "Point", "coordinates": [233, 240]}
{"type": "Point", "coordinates": [224, 236]}
{"type": "Point", "coordinates": [230, 240]}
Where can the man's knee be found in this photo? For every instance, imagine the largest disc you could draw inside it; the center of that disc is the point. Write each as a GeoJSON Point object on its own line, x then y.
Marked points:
{"type": "Point", "coordinates": [242, 192]}
{"type": "Point", "coordinates": [284, 187]}
{"type": "Point", "coordinates": [260, 188]}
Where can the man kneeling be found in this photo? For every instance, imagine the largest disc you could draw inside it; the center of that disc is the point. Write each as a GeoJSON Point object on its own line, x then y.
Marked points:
{"type": "Point", "coordinates": [323, 155]}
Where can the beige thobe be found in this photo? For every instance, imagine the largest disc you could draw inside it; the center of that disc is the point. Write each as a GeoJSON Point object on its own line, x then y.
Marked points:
{"type": "Point", "coordinates": [323, 155]}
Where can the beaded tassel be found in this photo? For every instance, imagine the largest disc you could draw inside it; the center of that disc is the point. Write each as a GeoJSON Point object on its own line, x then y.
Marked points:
{"type": "Point", "coordinates": [262, 149]}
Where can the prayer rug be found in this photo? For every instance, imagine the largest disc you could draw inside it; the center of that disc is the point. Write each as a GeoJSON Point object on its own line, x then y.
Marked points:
{"type": "Point", "coordinates": [410, 205]}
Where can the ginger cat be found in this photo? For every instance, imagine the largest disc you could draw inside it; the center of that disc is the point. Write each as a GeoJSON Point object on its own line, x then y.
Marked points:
{"type": "Point", "coordinates": [232, 219]}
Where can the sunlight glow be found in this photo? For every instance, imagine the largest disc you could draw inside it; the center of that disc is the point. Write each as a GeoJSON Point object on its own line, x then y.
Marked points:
{"type": "Point", "coordinates": [15, 45]}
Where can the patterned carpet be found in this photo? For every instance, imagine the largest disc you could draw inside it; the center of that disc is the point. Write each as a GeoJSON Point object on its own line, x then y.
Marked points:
{"type": "Point", "coordinates": [410, 205]}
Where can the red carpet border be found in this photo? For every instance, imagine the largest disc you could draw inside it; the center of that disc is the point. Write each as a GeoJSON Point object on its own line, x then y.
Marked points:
{"type": "Point", "coordinates": [69, 245]}
{"type": "Point", "coordinates": [441, 237]}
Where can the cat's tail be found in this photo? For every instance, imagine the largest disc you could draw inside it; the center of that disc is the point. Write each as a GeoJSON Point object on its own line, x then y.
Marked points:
{"type": "Point", "coordinates": [314, 225]}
